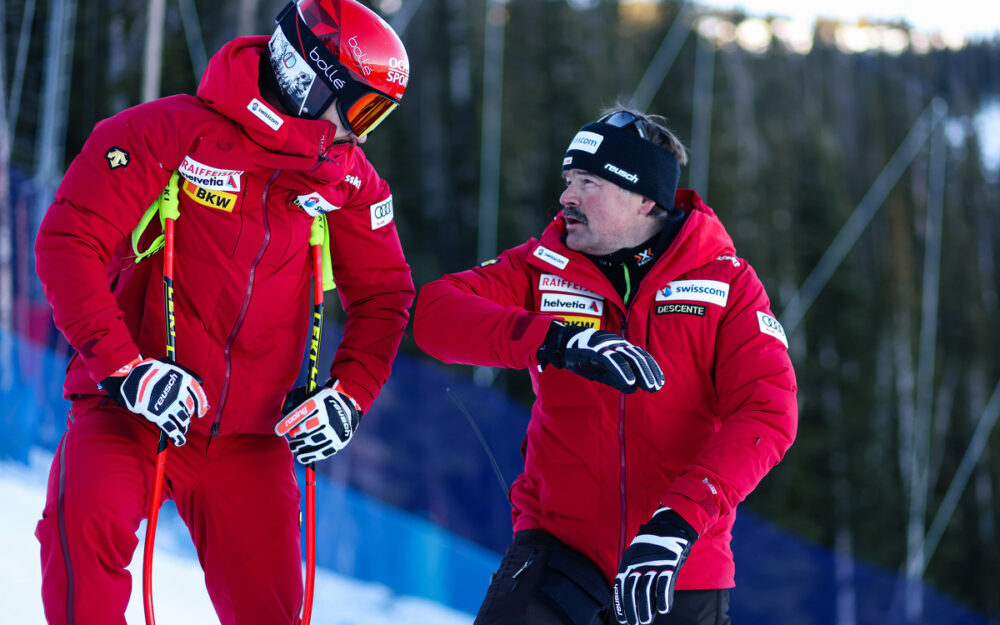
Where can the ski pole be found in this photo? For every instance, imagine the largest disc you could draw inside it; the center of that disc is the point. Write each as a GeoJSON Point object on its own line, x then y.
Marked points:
{"type": "Point", "coordinates": [317, 331]}
{"type": "Point", "coordinates": [168, 206]}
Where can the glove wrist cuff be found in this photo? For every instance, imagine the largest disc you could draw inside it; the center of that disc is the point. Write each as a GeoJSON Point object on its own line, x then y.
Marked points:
{"type": "Point", "coordinates": [553, 351]}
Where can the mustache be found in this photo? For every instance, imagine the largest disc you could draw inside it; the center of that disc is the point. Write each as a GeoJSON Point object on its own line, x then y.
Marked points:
{"type": "Point", "coordinates": [572, 213]}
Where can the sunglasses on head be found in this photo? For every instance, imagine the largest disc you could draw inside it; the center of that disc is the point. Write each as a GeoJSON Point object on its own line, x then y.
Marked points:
{"type": "Point", "coordinates": [624, 120]}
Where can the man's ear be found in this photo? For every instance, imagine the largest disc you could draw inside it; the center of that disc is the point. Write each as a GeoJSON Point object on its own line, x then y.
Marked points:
{"type": "Point", "coordinates": [646, 206]}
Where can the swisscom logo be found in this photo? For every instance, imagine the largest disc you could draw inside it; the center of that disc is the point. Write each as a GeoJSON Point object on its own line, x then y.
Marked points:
{"type": "Point", "coordinates": [710, 291]}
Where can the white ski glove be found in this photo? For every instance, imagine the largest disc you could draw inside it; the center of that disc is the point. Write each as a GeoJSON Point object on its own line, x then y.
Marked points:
{"type": "Point", "coordinates": [601, 356]}
{"type": "Point", "coordinates": [318, 425]}
{"type": "Point", "coordinates": [162, 391]}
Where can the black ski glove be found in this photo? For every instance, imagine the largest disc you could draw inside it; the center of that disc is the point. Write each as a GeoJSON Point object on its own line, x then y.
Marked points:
{"type": "Point", "coordinates": [601, 356]}
{"type": "Point", "coordinates": [644, 586]}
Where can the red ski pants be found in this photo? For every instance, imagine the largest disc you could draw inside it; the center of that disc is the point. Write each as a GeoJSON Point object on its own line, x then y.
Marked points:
{"type": "Point", "coordinates": [237, 494]}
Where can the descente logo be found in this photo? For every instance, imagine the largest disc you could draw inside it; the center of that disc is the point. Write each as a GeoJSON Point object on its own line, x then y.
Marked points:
{"type": "Point", "coordinates": [627, 175]}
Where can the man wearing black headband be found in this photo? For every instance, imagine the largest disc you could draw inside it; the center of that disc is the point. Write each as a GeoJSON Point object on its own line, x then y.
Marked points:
{"type": "Point", "coordinates": [665, 390]}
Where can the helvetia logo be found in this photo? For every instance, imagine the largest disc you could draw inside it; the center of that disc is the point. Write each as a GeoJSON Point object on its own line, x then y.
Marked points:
{"type": "Point", "coordinates": [571, 303]}
{"type": "Point", "coordinates": [209, 177]}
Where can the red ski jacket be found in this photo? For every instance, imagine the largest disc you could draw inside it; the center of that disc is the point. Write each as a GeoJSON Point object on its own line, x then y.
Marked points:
{"type": "Point", "coordinates": [249, 174]}
{"type": "Point", "coordinates": [598, 462]}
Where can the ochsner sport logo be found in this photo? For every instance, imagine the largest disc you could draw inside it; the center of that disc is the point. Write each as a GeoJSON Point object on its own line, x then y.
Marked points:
{"type": "Point", "coordinates": [210, 177]}
{"type": "Point", "coordinates": [710, 291]}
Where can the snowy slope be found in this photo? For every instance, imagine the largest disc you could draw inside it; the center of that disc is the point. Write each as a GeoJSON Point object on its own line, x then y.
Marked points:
{"type": "Point", "coordinates": [179, 593]}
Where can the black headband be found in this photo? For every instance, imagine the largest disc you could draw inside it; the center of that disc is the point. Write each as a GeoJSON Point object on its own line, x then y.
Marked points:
{"type": "Point", "coordinates": [625, 159]}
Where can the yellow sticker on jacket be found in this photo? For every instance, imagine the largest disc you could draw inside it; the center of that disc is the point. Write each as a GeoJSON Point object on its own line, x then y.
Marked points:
{"type": "Point", "coordinates": [219, 200]}
{"type": "Point", "coordinates": [582, 322]}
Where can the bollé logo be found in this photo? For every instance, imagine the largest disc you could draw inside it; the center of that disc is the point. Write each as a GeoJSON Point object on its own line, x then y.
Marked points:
{"type": "Point", "coordinates": [359, 55]}
{"type": "Point", "coordinates": [327, 69]}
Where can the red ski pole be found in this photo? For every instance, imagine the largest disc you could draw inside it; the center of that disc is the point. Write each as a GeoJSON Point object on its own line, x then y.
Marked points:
{"type": "Point", "coordinates": [169, 210]}
{"type": "Point", "coordinates": [317, 330]}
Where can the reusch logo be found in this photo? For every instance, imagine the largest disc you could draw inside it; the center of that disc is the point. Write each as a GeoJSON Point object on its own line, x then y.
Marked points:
{"type": "Point", "coordinates": [618, 171]}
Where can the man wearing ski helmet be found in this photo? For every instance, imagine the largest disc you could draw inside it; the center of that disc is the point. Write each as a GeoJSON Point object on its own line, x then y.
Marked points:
{"type": "Point", "coordinates": [270, 142]}
{"type": "Point", "coordinates": [664, 388]}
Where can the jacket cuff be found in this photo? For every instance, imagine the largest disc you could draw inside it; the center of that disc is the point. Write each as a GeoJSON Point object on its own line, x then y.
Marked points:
{"type": "Point", "coordinates": [696, 502]}
{"type": "Point", "coordinates": [105, 356]}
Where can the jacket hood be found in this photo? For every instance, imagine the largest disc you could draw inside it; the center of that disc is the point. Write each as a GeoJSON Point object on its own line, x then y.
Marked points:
{"type": "Point", "coordinates": [231, 87]}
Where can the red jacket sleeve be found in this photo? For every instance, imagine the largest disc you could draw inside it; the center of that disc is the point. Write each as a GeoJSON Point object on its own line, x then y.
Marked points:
{"type": "Point", "coordinates": [757, 408]}
{"type": "Point", "coordinates": [375, 287]}
{"type": "Point", "coordinates": [480, 316]}
{"type": "Point", "coordinates": [104, 193]}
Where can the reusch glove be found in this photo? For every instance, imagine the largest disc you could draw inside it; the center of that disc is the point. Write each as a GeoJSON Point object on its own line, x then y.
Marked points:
{"type": "Point", "coordinates": [162, 391]}
{"type": "Point", "coordinates": [601, 356]}
{"type": "Point", "coordinates": [644, 586]}
{"type": "Point", "coordinates": [318, 425]}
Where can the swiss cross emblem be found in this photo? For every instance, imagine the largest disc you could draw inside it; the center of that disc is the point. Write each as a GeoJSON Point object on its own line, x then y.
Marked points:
{"type": "Point", "coordinates": [117, 157]}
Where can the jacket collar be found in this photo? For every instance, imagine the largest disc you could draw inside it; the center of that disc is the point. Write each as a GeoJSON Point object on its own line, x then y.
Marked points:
{"type": "Point", "coordinates": [230, 86]}
{"type": "Point", "coordinates": [701, 240]}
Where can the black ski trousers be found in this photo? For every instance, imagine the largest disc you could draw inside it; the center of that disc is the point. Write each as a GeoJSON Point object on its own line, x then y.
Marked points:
{"type": "Point", "coordinates": [541, 581]}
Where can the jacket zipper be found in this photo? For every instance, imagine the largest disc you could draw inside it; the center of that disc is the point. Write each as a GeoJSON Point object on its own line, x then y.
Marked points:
{"type": "Point", "coordinates": [623, 510]}
{"type": "Point", "coordinates": [227, 348]}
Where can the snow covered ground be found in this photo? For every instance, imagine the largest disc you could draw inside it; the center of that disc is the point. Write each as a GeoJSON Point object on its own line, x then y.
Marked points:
{"type": "Point", "coordinates": [179, 593]}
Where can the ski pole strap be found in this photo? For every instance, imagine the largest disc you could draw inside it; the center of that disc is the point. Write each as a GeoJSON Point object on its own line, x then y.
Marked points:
{"type": "Point", "coordinates": [320, 235]}
{"type": "Point", "coordinates": [166, 206]}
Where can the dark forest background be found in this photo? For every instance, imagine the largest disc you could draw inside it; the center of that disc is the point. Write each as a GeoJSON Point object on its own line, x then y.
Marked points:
{"type": "Point", "coordinates": [896, 352]}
